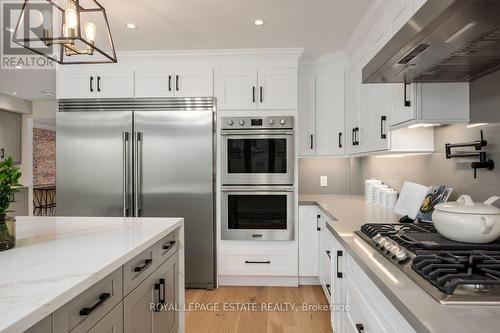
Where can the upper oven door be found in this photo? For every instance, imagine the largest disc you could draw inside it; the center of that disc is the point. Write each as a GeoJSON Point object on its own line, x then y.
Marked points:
{"type": "Point", "coordinates": [263, 157]}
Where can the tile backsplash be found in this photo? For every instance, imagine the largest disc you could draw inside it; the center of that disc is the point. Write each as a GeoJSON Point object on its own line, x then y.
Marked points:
{"type": "Point", "coordinates": [44, 157]}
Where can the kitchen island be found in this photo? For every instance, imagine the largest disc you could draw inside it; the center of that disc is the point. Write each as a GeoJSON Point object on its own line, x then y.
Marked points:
{"type": "Point", "coordinates": [92, 265]}
{"type": "Point", "coordinates": [347, 214]}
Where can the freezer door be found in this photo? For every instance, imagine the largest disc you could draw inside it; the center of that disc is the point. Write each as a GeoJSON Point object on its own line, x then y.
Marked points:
{"type": "Point", "coordinates": [176, 179]}
{"type": "Point", "coordinates": [94, 163]}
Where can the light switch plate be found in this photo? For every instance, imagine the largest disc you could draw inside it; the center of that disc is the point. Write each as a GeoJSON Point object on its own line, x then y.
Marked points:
{"type": "Point", "coordinates": [323, 181]}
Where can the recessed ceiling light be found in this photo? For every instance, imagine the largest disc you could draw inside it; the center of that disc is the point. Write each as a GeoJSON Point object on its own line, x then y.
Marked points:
{"type": "Point", "coordinates": [19, 67]}
{"type": "Point", "coordinates": [14, 93]}
{"type": "Point", "coordinates": [258, 22]}
{"type": "Point", "coordinates": [47, 93]}
{"type": "Point", "coordinates": [131, 26]}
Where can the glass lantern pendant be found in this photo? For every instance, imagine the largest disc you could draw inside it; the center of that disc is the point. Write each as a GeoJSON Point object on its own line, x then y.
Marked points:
{"type": "Point", "coordinates": [66, 31]}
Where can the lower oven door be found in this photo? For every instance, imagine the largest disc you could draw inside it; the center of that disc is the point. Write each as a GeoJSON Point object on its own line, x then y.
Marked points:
{"type": "Point", "coordinates": [257, 213]}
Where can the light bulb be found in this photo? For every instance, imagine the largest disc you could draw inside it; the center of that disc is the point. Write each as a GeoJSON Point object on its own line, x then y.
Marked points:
{"type": "Point", "coordinates": [70, 19]}
{"type": "Point", "coordinates": [90, 31]}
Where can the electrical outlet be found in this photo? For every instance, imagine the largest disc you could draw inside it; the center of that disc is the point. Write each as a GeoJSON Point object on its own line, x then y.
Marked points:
{"type": "Point", "coordinates": [323, 181]}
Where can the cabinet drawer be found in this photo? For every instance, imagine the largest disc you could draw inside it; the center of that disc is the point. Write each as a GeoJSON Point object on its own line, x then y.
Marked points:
{"type": "Point", "coordinates": [167, 246]}
{"type": "Point", "coordinates": [260, 261]}
{"type": "Point", "coordinates": [139, 268]}
{"type": "Point", "coordinates": [112, 322]}
{"type": "Point", "coordinates": [359, 313]}
{"type": "Point", "coordinates": [92, 305]}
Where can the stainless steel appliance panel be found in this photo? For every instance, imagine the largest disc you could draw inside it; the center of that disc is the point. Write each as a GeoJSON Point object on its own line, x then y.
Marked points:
{"type": "Point", "coordinates": [93, 163]}
{"type": "Point", "coordinates": [252, 208]}
{"type": "Point", "coordinates": [270, 150]}
{"type": "Point", "coordinates": [175, 177]}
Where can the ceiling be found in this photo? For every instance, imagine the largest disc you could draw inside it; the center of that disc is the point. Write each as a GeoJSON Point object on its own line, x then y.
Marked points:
{"type": "Point", "coordinates": [320, 26]}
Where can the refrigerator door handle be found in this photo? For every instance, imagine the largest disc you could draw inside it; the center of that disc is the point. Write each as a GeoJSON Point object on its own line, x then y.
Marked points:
{"type": "Point", "coordinates": [137, 173]}
{"type": "Point", "coordinates": [125, 145]}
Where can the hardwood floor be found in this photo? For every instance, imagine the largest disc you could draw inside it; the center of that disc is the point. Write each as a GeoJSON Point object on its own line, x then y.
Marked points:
{"type": "Point", "coordinates": [252, 316]}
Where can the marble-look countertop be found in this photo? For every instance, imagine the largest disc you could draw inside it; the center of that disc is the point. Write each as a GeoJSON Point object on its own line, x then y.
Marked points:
{"type": "Point", "coordinates": [424, 313]}
{"type": "Point", "coordinates": [57, 258]}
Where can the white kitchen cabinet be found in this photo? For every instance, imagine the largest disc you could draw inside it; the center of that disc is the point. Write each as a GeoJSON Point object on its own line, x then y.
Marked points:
{"type": "Point", "coordinates": [330, 112]}
{"type": "Point", "coordinates": [237, 89]}
{"type": "Point", "coordinates": [158, 82]}
{"type": "Point", "coordinates": [95, 81]}
{"type": "Point", "coordinates": [10, 136]}
{"type": "Point", "coordinates": [306, 115]}
{"type": "Point", "coordinates": [309, 240]}
{"type": "Point", "coordinates": [353, 99]}
{"type": "Point", "coordinates": [257, 89]}
{"type": "Point", "coordinates": [154, 82]}
{"type": "Point", "coordinates": [193, 82]}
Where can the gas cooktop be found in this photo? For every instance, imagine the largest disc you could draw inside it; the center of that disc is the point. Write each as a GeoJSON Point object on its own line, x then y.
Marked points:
{"type": "Point", "coordinates": [451, 272]}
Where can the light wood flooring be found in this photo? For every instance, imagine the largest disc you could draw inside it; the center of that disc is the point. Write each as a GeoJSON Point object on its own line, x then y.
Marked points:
{"type": "Point", "coordinates": [226, 321]}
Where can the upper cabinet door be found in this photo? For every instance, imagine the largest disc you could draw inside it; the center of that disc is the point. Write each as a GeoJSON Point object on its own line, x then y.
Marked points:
{"type": "Point", "coordinates": [307, 116]}
{"type": "Point", "coordinates": [10, 136]}
{"type": "Point", "coordinates": [151, 82]}
{"type": "Point", "coordinates": [237, 89]}
{"type": "Point", "coordinates": [277, 89]}
{"type": "Point", "coordinates": [193, 83]}
{"type": "Point", "coordinates": [75, 82]}
{"type": "Point", "coordinates": [115, 82]}
{"type": "Point", "coordinates": [330, 122]}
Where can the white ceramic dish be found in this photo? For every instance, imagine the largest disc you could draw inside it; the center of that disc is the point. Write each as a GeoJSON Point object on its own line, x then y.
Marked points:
{"type": "Point", "coordinates": [468, 221]}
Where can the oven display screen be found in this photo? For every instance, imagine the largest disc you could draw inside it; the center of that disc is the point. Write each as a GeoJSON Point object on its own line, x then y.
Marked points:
{"type": "Point", "coordinates": [257, 212]}
{"type": "Point", "coordinates": [256, 122]}
{"type": "Point", "coordinates": [257, 155]}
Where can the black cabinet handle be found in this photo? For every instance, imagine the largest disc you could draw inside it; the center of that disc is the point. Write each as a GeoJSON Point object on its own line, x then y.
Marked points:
{"type": "Point", "coordinates": [170, 83]}
{"type": "Point", "coordinates": [2, 153]}
{"type": "Point", "coordinates": [311, 142]}
{"type": "Point", "coordinates": [340, 139]}
{"type": "Point", "coordinates": [177, 83]}
{"type": "Point", "coordinates": [339, 274]}
{"type": "Point", "coordinates": [407, 101]}
{"type": "Point", "coordinates": [383, 120]}
{"type": "Point", "coordinates": [145, 265]}
{"type": "Point", "coordinates": [169, 245]}
{"type": "Point", "coordinates": [158, 289]}
{"type": "Point", "coordinates": [328, 288]}
{"type": "Point", "coordinates": [261, 94]}
{"type": "Point", "coordinates": [360, 328]}
{"type": "Point", "coordinates": [91, 84]}
{"type": "Point", "coordinates": [317, 222]}
{"type": "Point", "coordinates": [356, 141]}
{"type": "Point", "coordinates": [352, 137]}
{"type": "Point", "coordinates": [253, 94]}
{"type": "Point", "coordinates": [161, 292]}
{"type": "Point", "coordinates": [102, 298]}
{"type": "Point", "coordinates": [257, 262]}
{"type": "Point", "coordinates": [328, 254]}
{"type": "Point", "coordinates": [99, 84]}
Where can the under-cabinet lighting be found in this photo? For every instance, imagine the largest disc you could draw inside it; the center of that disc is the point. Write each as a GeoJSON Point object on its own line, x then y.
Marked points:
{"type": "Point", "coordinates": [376, 262]}
{"type": "Point", "coordinates": [422, 126]}
{"type": "Point", "coordinates": [401, 155]}
{"type": "Point", "coordinates": [476, 125]}
{"type": "Point", "coordinates": [460, 32]}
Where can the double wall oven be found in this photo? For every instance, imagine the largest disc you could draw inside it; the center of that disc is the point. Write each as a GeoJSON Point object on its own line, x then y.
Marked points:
{"type": "Point", "coordinates": [257, 177]}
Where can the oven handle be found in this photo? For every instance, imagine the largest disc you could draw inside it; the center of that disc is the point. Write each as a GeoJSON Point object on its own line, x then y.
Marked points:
{"type": "Point", "coordinates": [257, 188]}
{"type": "Point", "coordinates": [257, 132]}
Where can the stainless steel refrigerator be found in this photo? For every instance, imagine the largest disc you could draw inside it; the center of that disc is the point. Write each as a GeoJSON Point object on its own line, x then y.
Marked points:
{"type": "Point", "coordinates": [142, 157]}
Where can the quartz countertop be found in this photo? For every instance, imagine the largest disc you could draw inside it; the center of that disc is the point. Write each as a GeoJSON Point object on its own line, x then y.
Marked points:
{"type": "Point", "coordinates": [348, 213]}
{"type": "Point", "coordinates": [57, 258]}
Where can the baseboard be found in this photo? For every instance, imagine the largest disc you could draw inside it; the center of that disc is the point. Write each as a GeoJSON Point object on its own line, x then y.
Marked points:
{"type": "Point", "coordinates": [259, 281]}
{"type": "Point", "coordinates": [308, 281]}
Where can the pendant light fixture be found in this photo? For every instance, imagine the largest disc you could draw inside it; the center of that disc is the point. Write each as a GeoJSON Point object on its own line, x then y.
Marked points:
{"type": "Point", "coordinates": [66, 31]}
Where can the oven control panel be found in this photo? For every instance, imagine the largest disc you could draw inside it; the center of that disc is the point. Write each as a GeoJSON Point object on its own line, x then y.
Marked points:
{"type": "Point", "coordinates": [228, 123]}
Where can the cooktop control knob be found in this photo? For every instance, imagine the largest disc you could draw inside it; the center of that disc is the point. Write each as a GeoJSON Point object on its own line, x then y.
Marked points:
{"type": "Point", "coordinates": [241, 122]}
{"type": "Point", "coordinates": [395, 249]}
{"type": "Point", "coordinates": [401, 256]}
{"type": "Point", "coordinates": [381, 242]}
{"type": "Point", "coordinates": [282, 121]}
{"type": "Point", "coordinates": [230, 122]}
{"type": "Point", "coordinates": [271, 122]}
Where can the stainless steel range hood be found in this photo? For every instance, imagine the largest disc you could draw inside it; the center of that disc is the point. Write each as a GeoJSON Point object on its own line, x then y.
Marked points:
{"type": "Point", "coordinates": [445, 41]}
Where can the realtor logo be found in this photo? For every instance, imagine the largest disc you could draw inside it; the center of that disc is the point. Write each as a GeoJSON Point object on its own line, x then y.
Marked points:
{"type": "Point", "coordinates": [29, 26]}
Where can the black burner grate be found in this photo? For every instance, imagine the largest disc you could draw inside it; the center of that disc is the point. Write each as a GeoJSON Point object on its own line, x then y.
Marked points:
{"type": "Point", "coordinates": [449, 270]}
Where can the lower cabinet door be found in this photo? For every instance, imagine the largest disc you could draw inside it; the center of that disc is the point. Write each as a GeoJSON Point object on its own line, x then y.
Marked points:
{"type": "Point", "coordinates": [167, 320]}
{"type": "Point", "coordinates": [137, 316]}
{"type": "Point", "coordinates": [112, 323]}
